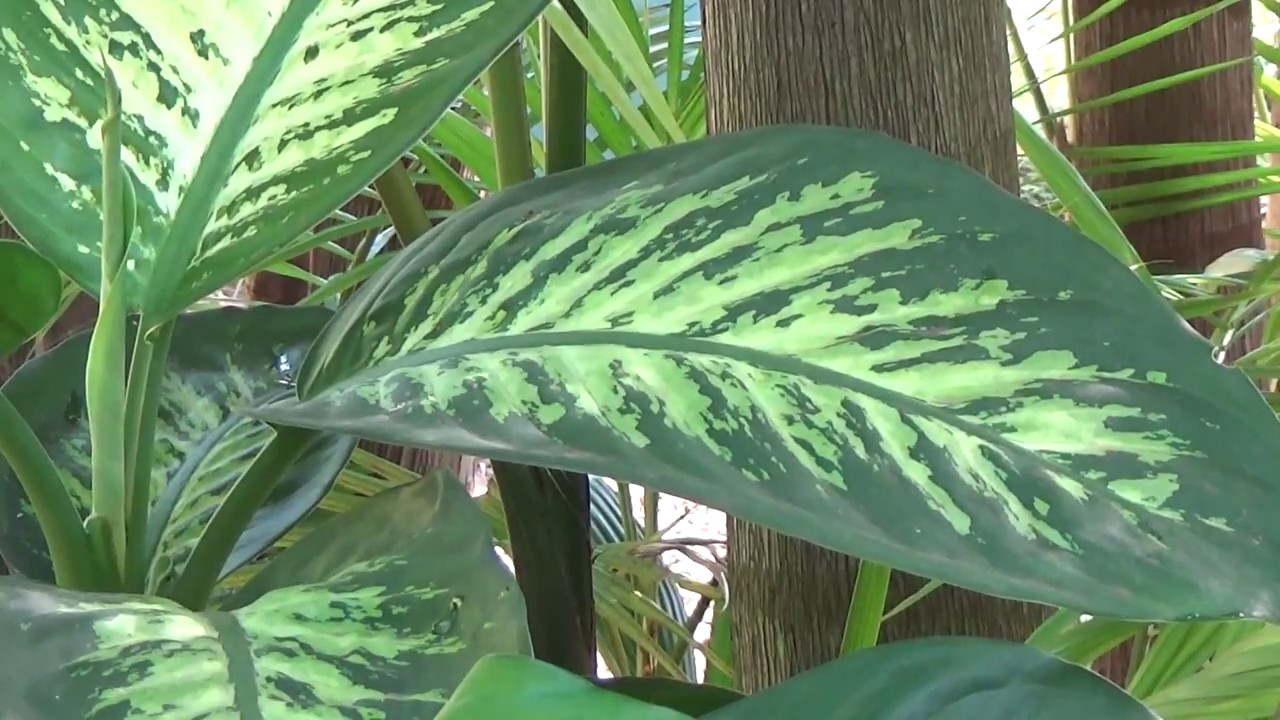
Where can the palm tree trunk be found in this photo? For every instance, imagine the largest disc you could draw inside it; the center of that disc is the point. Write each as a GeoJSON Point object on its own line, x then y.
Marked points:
{"type": "Point", "coordinates": [937, 75]}
{"type": "Point", "coordinates": [1216, 107]}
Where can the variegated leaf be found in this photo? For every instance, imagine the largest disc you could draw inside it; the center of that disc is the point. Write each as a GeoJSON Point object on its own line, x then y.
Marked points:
{"type": "Point", "coordinates": [841, 337]}
{"type": "Point", "coordinates": [220, 359]}
{"type": "Point", "coordinates": [378, 616]}
{"type": "Point", "coordinates": [244, 123]}
{"type": "Point", "coordinates": [30, 294]}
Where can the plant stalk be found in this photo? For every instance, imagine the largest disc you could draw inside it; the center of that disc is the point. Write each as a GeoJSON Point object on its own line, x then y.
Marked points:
{"type": "Point", "coordinates": [548, 512]}
{"type": "Point", "coordinates": [105, 368]}
{"type": "Point", "coordinates": [549, 526]}
{"type": "Point", "coordinates": [142, 404]}
{"type": "Point", "coordinates": [193, 588]}
{"type": "Point", "coordinates": [564, 104]}
{"type": "Point", "coordinates": [512, 147]}
{"type": "Point", "coordinates": [52, 504]}
{"type": "Point", "coordinates": [866, 610]}
{"type": "Point", "coordinates": [404, 206]}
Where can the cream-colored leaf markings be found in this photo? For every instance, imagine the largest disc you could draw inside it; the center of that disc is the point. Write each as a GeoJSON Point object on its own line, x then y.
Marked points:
{"type": "Point", "coordinates": [639, 265]}
{"type": "Point", "coordinates": [242, 120]}
{"type": "Point", "coordinates": [841, 338]}
{"type": "Point", "coordinates": [359, 622]}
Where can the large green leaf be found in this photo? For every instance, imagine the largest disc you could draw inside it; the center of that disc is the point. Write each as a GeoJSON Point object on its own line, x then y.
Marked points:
{"type": "Point", "coordinates": [943, 679]}
{"type": "Point", "coordinates": [505, 686]}
{"type": "Point", "coordinates": [221, 359]}
{"type": "Point", "coordinates": [30, 294]}
{"type": "Point", "coordinates": [844, 338]}
{"type": "Point", "coordinates": [689, 698]}
{"type": "Point", "coordinates": [931, 679]}
{"type": "Point", "coordinates": [379, 615]}
{"type": "Point", "coordinates": [244, 124]}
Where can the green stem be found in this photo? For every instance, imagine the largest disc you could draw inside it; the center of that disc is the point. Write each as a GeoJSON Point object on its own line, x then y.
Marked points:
{"type": "Point", "coordinates": [404, 206]}
{"type": "Point", "coordinates": [105, 368]}
{"type": "Point", "coordinates": [548, 512]}
{"type": "Point", "coordinates": [514, 152]}
{"type": "Point", "coordinates": [549, 527]}
{"type": "Point", "coordinates": [53, 507]}
{"type": "Point", "coordinates": [866, 610]}
{"type": "Point", "coordinates": [142, 403]}
{"type": "Point", "coordinates": [564, 103]}
{"type": "Point", "coordinates": [193, 588]}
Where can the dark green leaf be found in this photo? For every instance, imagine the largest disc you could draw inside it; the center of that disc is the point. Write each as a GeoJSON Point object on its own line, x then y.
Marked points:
{"type": "Point", "coordinates": [689, 698]}
{"type": "Point", "coordinates": [30, 294]}
{"type": "Point", "coordinates": [844, 338]}
{"type": "Point", "coordinates": [243, 125]}
{"type": "Point", "coordinates": [220, 360]}
{"type": "Point", "coordinates": [379, 615]}
{"type": "Point", "coordinates": [506, 687]}
{"type": "Point", "coordinates": [942, 679]}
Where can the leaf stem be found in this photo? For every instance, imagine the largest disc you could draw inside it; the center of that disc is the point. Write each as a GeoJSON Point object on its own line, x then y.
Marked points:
{"type": "Point", "coordinates": [866, 610]}
{"type": "Point", "coordinates": [400, 198]}
{"type": "Point", "coordinates": [105, 368]}
{"type": "Point", "coordinates": [549, 531]}
{"type": "Point", "coordinates": [196, 583]}
{"type": "Point", "coordinates": [142, 404]}
{"type": "Point", "coordinates": [51, 502]}
{"type": "Point", "coordinates": [564, 104]}
{"type": "Point", "coordinates": [512, 147]}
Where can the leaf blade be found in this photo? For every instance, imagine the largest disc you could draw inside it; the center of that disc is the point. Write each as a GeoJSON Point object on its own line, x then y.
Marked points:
{"type": "Point", "coordinates": [242, 129]}
{"type": "Point", "coordinates": [842, 351]}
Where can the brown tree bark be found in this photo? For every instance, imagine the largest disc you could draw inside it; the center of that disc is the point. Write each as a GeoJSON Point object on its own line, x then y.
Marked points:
{"type": "Point", "coordinates": [1216, 107]}
{"type": "Point", "coordinates": [937, 75]}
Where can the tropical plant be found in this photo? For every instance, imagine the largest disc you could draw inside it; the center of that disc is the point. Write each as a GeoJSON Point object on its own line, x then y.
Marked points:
{"type": "Point", "coordinates": [824, 331]}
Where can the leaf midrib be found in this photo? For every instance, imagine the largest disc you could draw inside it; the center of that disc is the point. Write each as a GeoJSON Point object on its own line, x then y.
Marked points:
{"type": "Point", "coordinates": [686, 345]}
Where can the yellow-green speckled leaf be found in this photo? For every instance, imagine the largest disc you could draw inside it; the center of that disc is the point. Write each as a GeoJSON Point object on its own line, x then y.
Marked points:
{"type": "Point", "coordinates": [245, 123]}
{"type": "Point", "coordinates": [220, 360]}
{"type": "Point", "coordinates": [378, 617]}
{"type": "Point", "coordinates": [844, 338]}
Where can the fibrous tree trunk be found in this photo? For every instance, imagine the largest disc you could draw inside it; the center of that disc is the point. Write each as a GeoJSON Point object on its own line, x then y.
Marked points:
{"type": "Point", "coordinates": [1216, 107]}
{"type": "Point", "coordinates": [935, 74]}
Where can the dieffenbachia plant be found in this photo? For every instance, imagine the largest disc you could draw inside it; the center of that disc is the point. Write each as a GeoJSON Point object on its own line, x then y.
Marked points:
{"type": "Point", "coordinates": [839, 336]}
{"type": "Point", "coordinates": [820, 330]}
